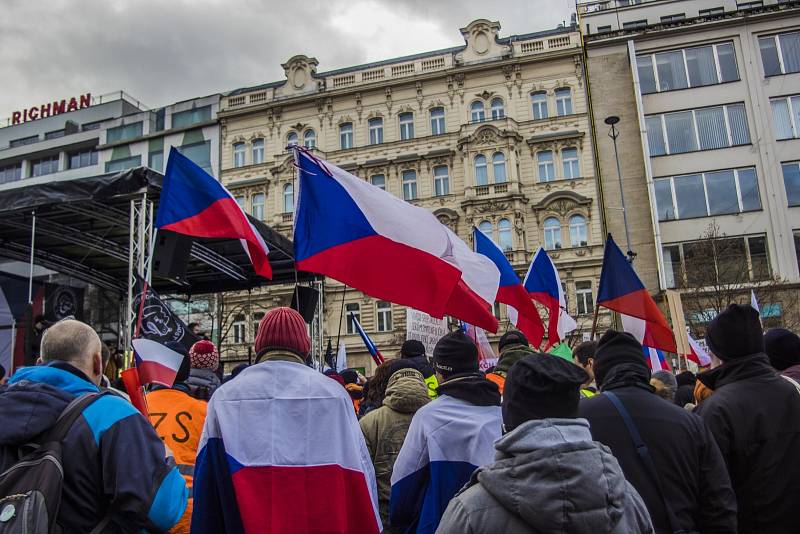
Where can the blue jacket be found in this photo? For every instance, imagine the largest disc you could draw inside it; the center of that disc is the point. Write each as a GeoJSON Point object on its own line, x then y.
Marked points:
{"type": "Point", "coordinates": [113, 459]}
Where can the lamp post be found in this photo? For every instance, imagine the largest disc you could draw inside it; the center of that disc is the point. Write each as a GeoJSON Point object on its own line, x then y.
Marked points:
{"type": "Point", "coordinates": [612, 121]}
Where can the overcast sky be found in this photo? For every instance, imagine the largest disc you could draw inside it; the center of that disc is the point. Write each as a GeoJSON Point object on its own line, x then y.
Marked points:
{"type": "Point", "coordinates": [167, 51]}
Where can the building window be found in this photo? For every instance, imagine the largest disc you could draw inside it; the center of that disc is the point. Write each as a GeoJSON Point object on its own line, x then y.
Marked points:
{"type": "Point", "coordinates": [10, 173]}
{"type": "Point", "coordinates": [406, 126]}
{"type": "Point", "coordinates": [240, 200]}
{"type": "Point", "coordinates": [55, 134]}
{"type": "Point", "coordinates": [441, 180]}
{"type": "Point", "coordinates": [716, 261]}
{"type": "Point", "coordinates": [583, 296]}
{"type": "Point", "coordinates": [791, 181]}
{"type": "Point", "coordinates": [437, 121]}
{"type": "Point", "coordinates": [23, 141]}
{"type": "Point", "coordinates": [499, 168]}
{"type": "Point", "coordinates": [257, 316]}
{"type": "Point", "coordinates": [48, 165]}
{"type": "Point", "coordinates": [310, 139]}
{"type": "Point", "coordinates": [604, 29]}
{"type": "Point", "coordinates": [155, 160]}
{"type": "Point", "coordinates": [384, 316]}
{"type": "Point", "coordinates": [409, 185]}
{"type": "Point", "coordinates": [379, 181]}
{"type": "Point", "coordinates": [257, 203]}
{"type": "Point", "coordinates": [797, 246]}
{"type": "Point", "coordinates": [504, 236]}
{"type": "Point", "coordinates": [199, 153]}
{"type": "Point", "coordinates": [352, 310]}
{"type": "Point", "coordinates": [481, 170]}
{"type": "Point", "coordinates": [346, 135]}
{"type": "Point", "coordinates": [121, 133]}
{"type": "Point", "coordinates": [238, 154]}
{"type": "Point", "coordinates": [552, 233]}
{"type": "Point", "coordinates": [288, 198]}
{"type": "Point", "coordinates": [569, 161]}
{"type": "Point", "coordinates": [239, 327]}
{"type": "Point", "coordinates": [498, 110]}
{"type": "Point", "coordinates": [578, 232]}
{"type": "Point", "coordinates": [477, 112]}
{"type": "Point", "coordinates": [750, 5]}
{"type": "Point", "coordinates": [84, 158]}
{"type": "Point", "coordinates": [375, 131]}
{"type": "Point", "coordinates": [258, 151]}
{"type": "Point", "coordinates": [485, 228]}
{"type": "Point", "coordinates": [634, 24]}
{"type": "Point", "coordinates": [780, 54]}
{"type": "Point", "coordinates": [291, 139]}
{"type": "Point", "coordinates": [711, 11]}
{"type": "Point", "coordinates": [547, 169]}
{"type": "Point", "coordinates": [786, 116]}
{"type": "Point", "coordinates": [673, 18]}
{"type": "Point", "coordinates": [116, 165]}
{"type": "Point", "coordinates": [539, 103]}
{"type": "Point", "coordinates": [707, 194]}
{"type": "Point", "coordinates": [697, 129]}
{"type": "Point", "coordinates": [184, 119]}
{"type": "Point", "coordinates": [563, 101]}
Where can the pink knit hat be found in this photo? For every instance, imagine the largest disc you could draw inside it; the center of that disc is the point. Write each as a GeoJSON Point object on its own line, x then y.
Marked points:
{"type": "Point", "coordinates": [283, 329]}
{"type": "Point", "coordinates": [204, 355]}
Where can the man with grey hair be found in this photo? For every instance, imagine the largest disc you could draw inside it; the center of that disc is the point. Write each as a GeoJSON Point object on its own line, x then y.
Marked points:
{"type": "Point", "coordinates": [665, 384]}
{"type": "Point", "coordinates": [115, 468]}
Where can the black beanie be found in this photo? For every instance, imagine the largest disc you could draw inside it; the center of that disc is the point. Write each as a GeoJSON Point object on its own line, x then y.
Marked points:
{"type": "Point", "coordinates": [782, 347]}
{"type": "Point", "coordinates": [735, 332]}
{"type": "Point", "coordinates": [350, 376]}
{"type": "Point", "coordinates": [616, 348]}
{"type": "Point", "coordinates": [512, 337]}
{"type": "Point", "coordinates": [412, 348]}
{"type": "Point", "coordinates": [455, 353]}
{"type": "Point", "coordinates": [186, 364]}
{"type": "Point", "coordinates": [541, 386]}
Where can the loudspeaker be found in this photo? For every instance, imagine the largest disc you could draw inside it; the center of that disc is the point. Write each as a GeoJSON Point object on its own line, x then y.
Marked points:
{"type": "Point", "coordinates": [304, 300]}
{"type": "Point", "coordinates": [171, 255]}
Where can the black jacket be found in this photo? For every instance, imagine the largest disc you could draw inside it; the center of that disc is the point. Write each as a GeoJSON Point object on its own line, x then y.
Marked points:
{"type": "Point", "coordinates": [754, 414]}
{"type": "Point", "coordinates": [688, 461]}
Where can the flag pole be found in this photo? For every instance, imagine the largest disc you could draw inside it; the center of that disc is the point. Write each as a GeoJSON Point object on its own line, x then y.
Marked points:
{"type": "Point", "coordinates": [339, 333]}
{"type": "Point", "coordinates": [594, 321]}
{"type": "Point", "coordinates": [30, 272]}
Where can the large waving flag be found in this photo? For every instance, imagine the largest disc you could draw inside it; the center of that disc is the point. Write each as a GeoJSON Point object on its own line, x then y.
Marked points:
{"type": "Point", "coordinates": [156, 363]}
{"type": "Point", "coordinates": [521, 310]}
{"type": "Point", "coordinates": [698, 354]}
{"type": "Point", "coordinates": [544, 285]}
{"type": "Point", "coordinates": [621, 290]}
{"type": "Point", "coordinates": [354, 232]}
{"type": "Point", "coordinates": [194, 203]}
{"type": "Point", "coordinates": [656, 359]}
{"type": "Point", "coordinates": [377, 357]}
{"type": "Point", "coordinates": [283, 459]}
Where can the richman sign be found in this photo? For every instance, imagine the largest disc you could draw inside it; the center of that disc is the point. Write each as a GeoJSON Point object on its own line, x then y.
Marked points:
{"type": "Point", "coordinates": [46, 110]}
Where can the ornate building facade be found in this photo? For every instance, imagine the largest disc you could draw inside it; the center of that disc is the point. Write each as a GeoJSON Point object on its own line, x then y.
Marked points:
{"type": "Point", "coordinates": [493, 134]}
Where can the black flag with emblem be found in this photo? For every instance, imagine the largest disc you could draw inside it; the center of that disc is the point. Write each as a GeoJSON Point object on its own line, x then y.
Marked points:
{"type": "Point", "coordinates": [156, 321]}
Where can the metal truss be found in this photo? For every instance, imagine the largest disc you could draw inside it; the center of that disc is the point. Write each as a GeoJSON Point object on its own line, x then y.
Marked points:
{"type": "Point", "coordinates": [140, 250]}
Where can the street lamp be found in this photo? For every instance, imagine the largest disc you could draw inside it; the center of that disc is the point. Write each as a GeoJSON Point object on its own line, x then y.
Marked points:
{"type": "Point", "coordinates": [612, 121]}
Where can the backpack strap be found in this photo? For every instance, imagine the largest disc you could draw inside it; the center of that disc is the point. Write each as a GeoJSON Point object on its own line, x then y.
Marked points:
{"type": "Point", "coordinates": [69, 415]}
{"type": "Point", "coordinates": [793, 382]}
{"type": "Point", "coordinates": [644, 455]}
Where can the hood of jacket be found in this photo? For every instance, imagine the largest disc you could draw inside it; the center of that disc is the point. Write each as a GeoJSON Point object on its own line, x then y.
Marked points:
{"type": "Point", "coordinates": [406, 392]}
{"type": "Point", "coordinates": [422, 365]}
{"type": "Point", "coordinates": [202, 377]}
{"type": "Point", "coordinates": [34, 398]}
{"type": "Point", "coordinates": [753, 366]}
{"type": "Point", "coordinates": [552, 475]}
{"type": "Point", "coordinates": [627, 375]}
{"type": "Point", "coordinates": [473, 388]}
{"type": "Point", "coordinates": [511, 355]}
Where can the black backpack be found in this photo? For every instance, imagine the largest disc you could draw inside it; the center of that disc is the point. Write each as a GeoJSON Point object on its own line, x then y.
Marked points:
{"type": "Point", "coordinates": [30, 490]}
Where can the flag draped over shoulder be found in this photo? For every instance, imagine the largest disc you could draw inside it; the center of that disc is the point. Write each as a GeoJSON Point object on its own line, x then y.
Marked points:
{"type": "Point", "coordinates": [390, 249]}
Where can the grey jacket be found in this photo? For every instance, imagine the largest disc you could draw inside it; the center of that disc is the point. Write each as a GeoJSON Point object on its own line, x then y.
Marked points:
{"type": "Point", "coordinates": [548, 476]}
{"type": "Point", "coordinates": [202, 383]}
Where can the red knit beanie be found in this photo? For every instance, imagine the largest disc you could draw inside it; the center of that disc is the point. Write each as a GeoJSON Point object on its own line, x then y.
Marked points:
{"type": "Point", "coordinates": [283, 329]}
{"type": "Point", "coordinates": [204, 355]}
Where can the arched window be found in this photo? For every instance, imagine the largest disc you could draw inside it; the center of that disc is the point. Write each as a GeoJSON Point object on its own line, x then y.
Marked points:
{"type": "Point", "coordinates": [309, 139]}
{"type": "Point", "coordinates": [346, 135]}
{"type": "Point", "coordinates": [499, 168]}
{"type": "Point", "coordinates": [578, 234]}
{"type": "Point", "coordinates": [376, 131]}
{"type": "Point", "coordinates": [481, 173]}
{"type": "Point", "coordinates": [504, 236]}
{"type": "Point", "coordinates": [406, 126]}
{"type": "Point", "coordinates": [437, 121]}
{"type": "Point", "coordinates": [552, 233]}
{"type": "Point", "coordinates": [291, 138]}
{"type": "Point", "coordinates": [477, 113]}
{"type": "Point", "coordinates": [238, 154]}
{"type": "Point", "coordinates": [498, 110]}
{"type": "Point", "coordinates": [569, 160]}
{"type": "Point", "coordinates": [288, 198]}
{"type": "Point", "coordinates": [547, 171]}
{"type": "Point", "coordinates": [486, 228]}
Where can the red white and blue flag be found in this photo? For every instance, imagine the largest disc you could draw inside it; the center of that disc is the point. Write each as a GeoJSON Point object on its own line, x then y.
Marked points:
{"type": "Point", "coordinates": [377, 357]}
{"type": "Point", "coordinates": [358, 234]}
{"type": "Point", "coordinates": [544, 285]}
{"type": "Point", "coordinates": [521, 310]}
{"type": "Point", "coordinates": [486, 356]}
{"type": "Point", "coordinates": [698, 354]}
{"type": "Point", "coordinates": [155, 362]}
{"type": "Point", "coordinates": [656, 359]}
{"type": "Point", "coordinates": [193, 203]}
{"type": "Point", "coordinates": [621, 290]}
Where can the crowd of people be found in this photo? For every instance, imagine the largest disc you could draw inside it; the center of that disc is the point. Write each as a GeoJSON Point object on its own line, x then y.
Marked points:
{"type": "Point", "coordinates": [536, 444]}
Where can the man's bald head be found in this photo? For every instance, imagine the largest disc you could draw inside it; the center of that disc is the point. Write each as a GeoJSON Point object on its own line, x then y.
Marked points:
{"type": "Point", "coordinates": [73, 342]}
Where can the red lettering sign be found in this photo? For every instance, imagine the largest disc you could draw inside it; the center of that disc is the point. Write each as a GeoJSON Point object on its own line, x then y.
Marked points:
{"type": "Point", "coordinates": [55, 108]}
{"type": "Point", "coordinates": [16, 117]}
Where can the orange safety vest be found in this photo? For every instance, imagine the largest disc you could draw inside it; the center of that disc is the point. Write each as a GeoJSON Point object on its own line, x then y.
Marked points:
{"type": "Point", "coordinates": [178, 420]}
{"type": "Point", "coordinates": [497, 379]}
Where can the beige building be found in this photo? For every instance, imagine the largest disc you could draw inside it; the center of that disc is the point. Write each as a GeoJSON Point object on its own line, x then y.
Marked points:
{"type": "Point", "coordinates": [493, 133]}
{"type": "Point", "coordinates": [708, 93]}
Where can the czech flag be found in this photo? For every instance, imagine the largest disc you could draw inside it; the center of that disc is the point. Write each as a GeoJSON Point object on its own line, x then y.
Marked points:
{"type": "Point", "coordinates": [698, 354]}
{"type": "Point", "coordinates": [544, 285]}
{"type": "Point", "coordinates": [655, 359]}
{"type": "Point", "coordinates": [621, 290]}
{"type": "Point", "coordinates": [521, 310]}
{"type": "Point", "coordinates": [377, 357]}
{"type": "Point", "coordinates": [358, 234]}
{"type": "Point", "coordinates": [193, 203]}
{"type": "Point", "coordinates": [486, 356]}
{"type": "Point", "coordinates": [156, 363]}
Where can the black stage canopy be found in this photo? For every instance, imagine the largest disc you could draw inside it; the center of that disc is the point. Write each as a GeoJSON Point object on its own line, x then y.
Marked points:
{"type": "Point", "coordinates": [83, 230]}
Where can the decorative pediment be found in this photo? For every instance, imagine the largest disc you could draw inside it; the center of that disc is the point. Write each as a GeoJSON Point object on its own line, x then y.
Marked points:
{"type": "Point", "coordinates": [435, 104]}
{"type": "Point", "coordinates": [239, 139]}
{"type": "Point", "coordinates": [405, 108]}
{"type": "Point", "coordinates": [344, 119]}
{"type": "Point", "coordinates": [257, 135]}
{"type": "Point", "coordinates": [486, 95]}
{"type": "Point", "coordinates": [375, 114]}
{"type": "Point", "coordinates": [280, 171]}
{"type": "Point", "coordinates": [562, 203]}
{"type": "Point", "coordinates": [481, 41]}
{"type": "Point", "coordinates": [488, 134]}
{"type": "Point", "coordinates": [300, 74]}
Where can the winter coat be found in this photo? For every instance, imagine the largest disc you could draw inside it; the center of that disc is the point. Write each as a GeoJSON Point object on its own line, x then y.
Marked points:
{"type": "Point", "coordinates": [385, 428]}
{"type": "Point", "coordinates": [202, 383]}
{"type": "Point", "coordinates": [686, 457]}
{"type": "Point", "coordinates": [754, 414]}
{"type": "Point", "coordinates": [510, 355]}
{"type": "Point", "coordinates": [423, 366]}
{"type": "Point", "coordinates": [548, 476]}
{"type": "Point", "coordinates": [792, 372]}
{"type": "Point", "coordinates": [113, 460]}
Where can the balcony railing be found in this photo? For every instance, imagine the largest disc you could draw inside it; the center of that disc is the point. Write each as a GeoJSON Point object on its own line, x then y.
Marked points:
{"type": "Point", "coordinates": [287, 217]}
